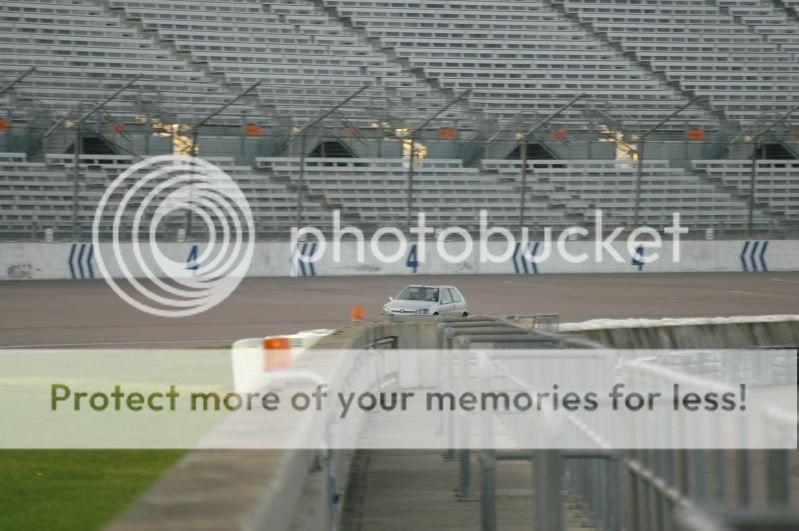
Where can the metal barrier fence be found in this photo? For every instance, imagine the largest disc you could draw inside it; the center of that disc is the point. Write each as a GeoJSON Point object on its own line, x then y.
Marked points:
{"type": "Point", "coordinates": [675, 489]}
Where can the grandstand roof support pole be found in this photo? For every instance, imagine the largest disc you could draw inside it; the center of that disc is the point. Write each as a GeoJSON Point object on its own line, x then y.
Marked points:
{"type": "Point", "coordinates": [19, 78]}
{"type": "Point", "coordinates": [640, 153]}
{"type": "Point", "coordinates": [524, 140]}
{"type": "Point", "coordinates": [301, 181]}
{"type": "Point", "coordinates": [195, 134]}
{"type": "Point", "coordinates": [411, 135]}
{"type": "Point", "coordinates": [523, 196]}
{"type": "Point", "coordinates": [76, 229]}
{"type": "Point", "coordinates": [302, 133]}
{"type": "Point", "coordinates": [753, 173]}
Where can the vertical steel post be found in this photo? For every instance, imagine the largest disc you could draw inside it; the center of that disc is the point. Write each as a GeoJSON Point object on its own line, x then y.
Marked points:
{"type": "Point", "coordinates": [778, 466]}
{"type": "Point", "coordinates": [301, 181]}
{"type": "Point", "coordinates": [752, 177]}
{"type": "Point", "coordinates": [412, 135]}
{"type": "Point", "coordinates": [755, 155]}
{"type": "Point", "coordinates": [195, 130]}
{"type": "Point", "coordinates": [76, 176]}
{"type": "Point", "coordinates": [522, 199]}
{"type": "Point", "coordinates": [409, 199]}
{"type": "Point", "coordinates": [744, 477]}
{"type": "Point", "coordinates": [488, 490]}
{"type": "Point", "coordinates": [638, 179]}
{"type": "Point", "coordinates": [549, 505]}
{"type": "Point", "coordinates": [242, 136]}
{"type": "Point", "coordinates": [76, 183]}
{"type": "Point", "coordinates": [195, 150]}
{"type": "Point", "coordinates": [302, 133]}
{"type": "Point", "coordinates": [641, 139]}
{"type": "Point", "coordinates": [523, 150]}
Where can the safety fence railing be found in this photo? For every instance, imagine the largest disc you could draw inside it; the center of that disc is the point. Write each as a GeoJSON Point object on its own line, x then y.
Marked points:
{"type": "Point", "coordinates": [579, 469]}
{"type": "Point", "coordinates": [695, 480]}
{"type": "Point", "coordinates": [460, 336]}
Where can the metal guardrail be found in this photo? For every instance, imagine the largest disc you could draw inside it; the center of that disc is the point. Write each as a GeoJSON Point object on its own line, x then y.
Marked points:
{"type": "Point", "coordinates": [619, 489]}
{"type": "Point", "coordinates": [467, 334]}
{"type": "Point", "coordinates": [711, 489]}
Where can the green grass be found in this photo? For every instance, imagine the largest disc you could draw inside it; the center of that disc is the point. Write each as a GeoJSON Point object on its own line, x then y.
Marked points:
{"type": "Point", "coordinates": [74, 489]}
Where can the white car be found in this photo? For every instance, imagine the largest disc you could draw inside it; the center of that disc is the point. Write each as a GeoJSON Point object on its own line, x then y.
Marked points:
{"type": "Point", "coordinates": [418, 300]}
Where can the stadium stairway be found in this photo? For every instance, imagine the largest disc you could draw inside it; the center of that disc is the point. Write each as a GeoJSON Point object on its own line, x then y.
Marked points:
{"type": "Point", "coordinates": [763, 17]}
{"type": "Point", "coordinates": [391, 56]}
{"type": "Point", "coordinates": [312, 197]}
{"type": "Point", "coordinates": [714, 48]}
{"type": "Point", "coordinates": [790, 7]}
{"type": "Point", "coordinates": [200, 66]}
{"type": "Point", "coordinates": [762, 211]}
{"type": "Point", "coordinates": [712, 114]}
{"type": "Point", "coordinates": [571, 208]}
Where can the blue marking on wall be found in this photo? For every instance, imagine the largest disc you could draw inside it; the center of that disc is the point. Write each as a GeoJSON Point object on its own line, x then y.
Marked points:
{"type": "Point", "coordinates": [412, 262]}
{"type": "Point", "coordinates": [520, 261]}
{"type": "Point", "coordinates": [763, 249]}
{"type": "Point", "coordinates": [84, 257]}
{"type": "Point", "coordinates": [70, 261]}
{"type": "Point", "coordinates": [743, 257]}
{"type": "Point", "coordinates": [306, 249]}
{"type": "Point", "coordinates": [753, 261]}
{"type": "Point", "coordinates": [638, 258]}
{"type": "Point", "coordinates": [191, 260]}
{"type": "Point", "coordinates": [89, 261]}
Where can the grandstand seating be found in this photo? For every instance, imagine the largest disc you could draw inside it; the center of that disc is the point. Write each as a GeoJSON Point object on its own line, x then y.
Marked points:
{"type": "Point", "coordinates": [83, 52]}
{"type": "Point", "coordinates": [522, 59]}
{"type": "Point", "coordinates": [305, 60]}
{"type": "Point", "coordinates": [372, 193]}
{"type": "Point", "coordinates": [447, 193]}
{"type": "Point", "coordinates": [561, 192]}
{"type": "Point", "coordinates": [733, 52]}
{"type": "Point", "coordinates": [515, 56]}
{"type": "Point", "coordinates": [776, 180]}
{"type": "Point", "coordinates": [610, 185]}
{"type": "Point", "coordinates": [38, 195]}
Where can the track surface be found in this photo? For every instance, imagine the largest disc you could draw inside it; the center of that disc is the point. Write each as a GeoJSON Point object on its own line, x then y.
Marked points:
{"type": "Point", "coordinates": [85, 313]}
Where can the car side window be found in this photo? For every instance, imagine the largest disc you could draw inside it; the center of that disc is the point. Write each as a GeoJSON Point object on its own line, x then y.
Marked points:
{"type": "Point", "coordinates": [446, 297]}
{"type": "Point", "coordinates": [456, 297]}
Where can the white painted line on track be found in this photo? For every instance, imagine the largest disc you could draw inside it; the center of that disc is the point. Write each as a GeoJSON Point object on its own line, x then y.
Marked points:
{"type": "Point", "coordinates": [764, 294]}
{"type": "Point", "coordinates": [119, 343]}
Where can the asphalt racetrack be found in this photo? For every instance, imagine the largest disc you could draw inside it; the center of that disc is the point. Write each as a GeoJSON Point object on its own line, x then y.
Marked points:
{"type": "Point", "coordinates": [87, 313]}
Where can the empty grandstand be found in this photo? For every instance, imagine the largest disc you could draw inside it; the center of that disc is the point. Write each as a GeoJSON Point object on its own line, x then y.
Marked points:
{"type": "Point", "coordinates": [710, 86]}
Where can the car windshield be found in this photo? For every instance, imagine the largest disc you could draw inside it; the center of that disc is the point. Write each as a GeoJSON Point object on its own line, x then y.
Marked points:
{"type": "Point", "coordinates": [418, 293]}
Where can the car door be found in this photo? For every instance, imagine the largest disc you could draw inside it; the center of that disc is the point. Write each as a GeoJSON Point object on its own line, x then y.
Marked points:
{"type": "Point", "coordinates": [445, 304]}
{"type": "Point", "coordinates": [458, 301]}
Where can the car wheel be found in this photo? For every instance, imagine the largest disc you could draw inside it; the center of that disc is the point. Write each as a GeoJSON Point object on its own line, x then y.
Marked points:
{"type": "Point", "coordinates": [436, 313]}
{"type": "Point", "coordinates": [465, 314]}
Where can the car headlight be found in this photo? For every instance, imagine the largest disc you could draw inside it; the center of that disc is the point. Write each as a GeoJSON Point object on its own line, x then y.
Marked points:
{"type": "Point", "coordinates": [422, 311]}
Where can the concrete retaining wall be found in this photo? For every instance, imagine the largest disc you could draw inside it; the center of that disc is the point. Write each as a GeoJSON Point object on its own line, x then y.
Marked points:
{"type": "Point", "coordinates": [273, 490]}
{"type": "Point", "coordinates": [712, 332]}
{"type": "Point", "coordinates": [80, 261]}
{"type": "Point", "coordinates": [300, 490]}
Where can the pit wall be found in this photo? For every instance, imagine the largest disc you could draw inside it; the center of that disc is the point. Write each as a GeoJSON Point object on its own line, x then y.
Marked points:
{"type": "Point", "coordinates": [278, 490]}
{"type": "Point", "coordinates": [306, 490]}
{"type": "Point", "coordinates": [710, 332]}
{"type": "Point", "coordinates": [82, 260]}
